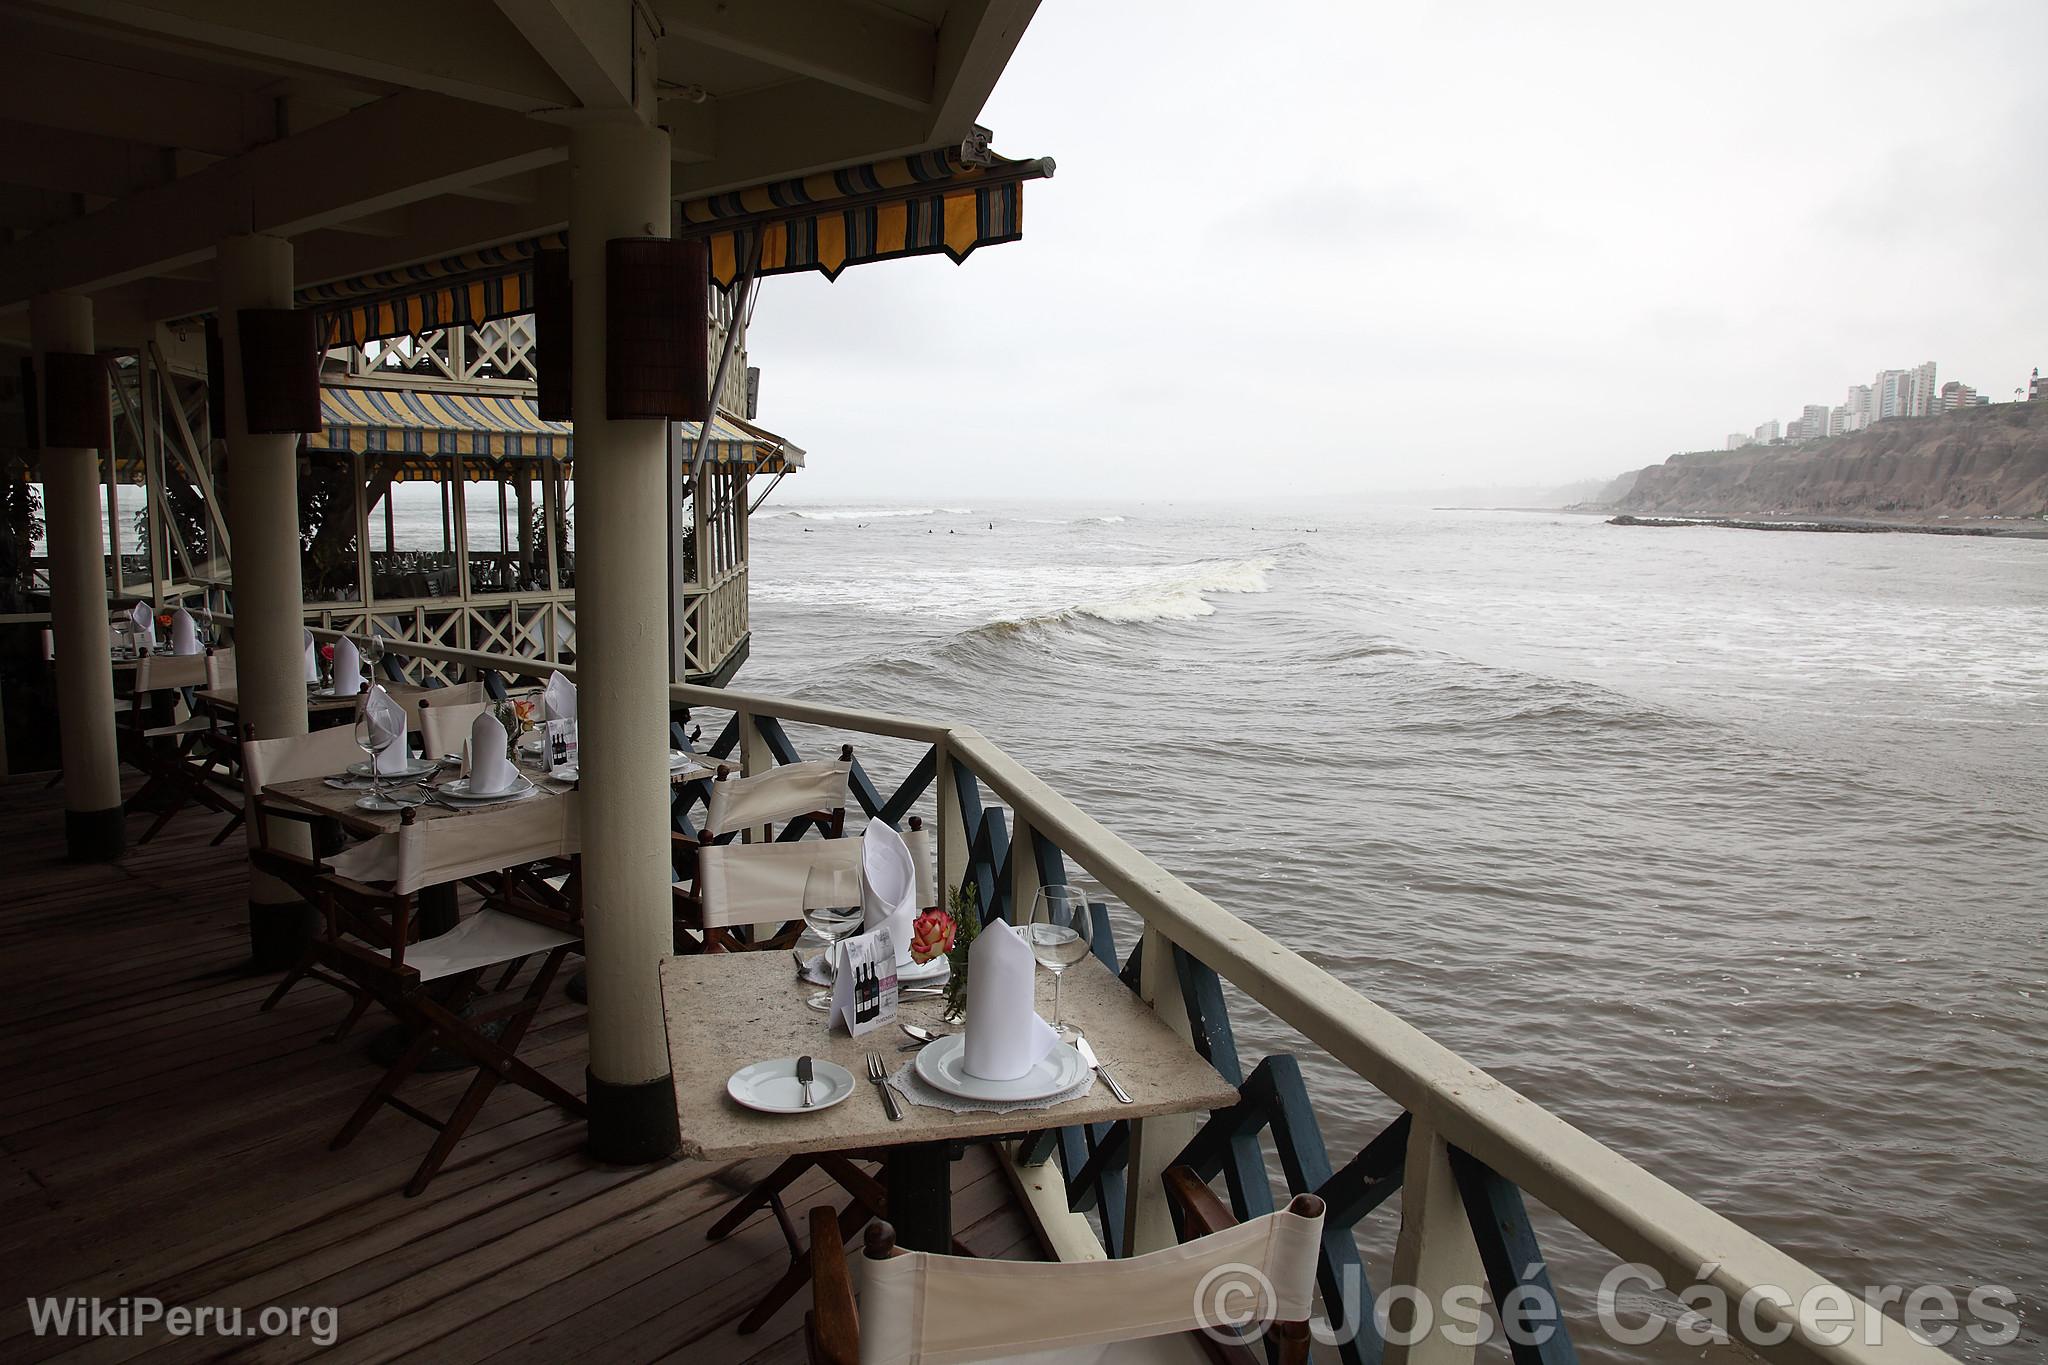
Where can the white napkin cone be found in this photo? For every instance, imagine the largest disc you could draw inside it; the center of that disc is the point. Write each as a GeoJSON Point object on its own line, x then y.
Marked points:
{"type": "Point", "coordinates": [1005, 1036]}
{"type": "Point", "coordinates": [387, 719]}
{"type": "Point", "coordinates": [312, 659]}
{"type": "Point", "coordinates": [184, 633]}
{"type": "Point", "coordinates": [888, 887]}
{"type": "Point", "coordinates": [558, 699]}
{"type": "Point", "coordinates": [348, 668]}
{"type": "Point", "coordinates": [144, 621]}
{"type": "Point", "coordinates": [489, 771]}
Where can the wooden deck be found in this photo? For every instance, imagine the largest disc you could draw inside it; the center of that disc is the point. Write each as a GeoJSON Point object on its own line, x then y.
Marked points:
{"type": "Point", "coordinates": [164, 1140]}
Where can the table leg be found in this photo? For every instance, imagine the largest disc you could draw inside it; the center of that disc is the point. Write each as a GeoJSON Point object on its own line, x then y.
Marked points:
{"type": "Point", "coordinates": [921, 1195]}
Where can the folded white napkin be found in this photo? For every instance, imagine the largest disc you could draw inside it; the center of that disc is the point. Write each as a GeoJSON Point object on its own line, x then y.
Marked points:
{"type": "Point", "coordinates": [184, 633]}
{"type": "Point", "coordinates": [558, 699]}
{"type": "Point", "coordinates": [348, 668]}
{"type": "Point", "coordinates": [387, 721]}
{"type": "Point", "coordinates": [144, 620]}
{"type": "Point", "coordinates": [888, 887]}
{"type": "Point", "coordinates": [1005, 1036]}
{"type": "Point", "coordinates": [312, 659]}
{"type": "Point", "coordinates": [489, 770]}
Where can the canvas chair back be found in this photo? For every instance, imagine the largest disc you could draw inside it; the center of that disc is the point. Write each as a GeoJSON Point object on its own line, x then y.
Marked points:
{"type": "Point", "coordinates": [444, 726]}
{"type": "Point", "coordinates": [435, 852]}
{"type": "Point", "coordinates": [292, 758]}
{"type": "Point", "coordinates": [220, 668]}
{"type": "Point", "coordinates": [767, 883]}
{"type": "Point", "coordinates": [462, 694]}
{"type": "Point", "coordinates": [159, 672]}
{"type": "Point", "coordinates": [919, 1306]}
{"type": "Point", "coordinates": [778, 795]}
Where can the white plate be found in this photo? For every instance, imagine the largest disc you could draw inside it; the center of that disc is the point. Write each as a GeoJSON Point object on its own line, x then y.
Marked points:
{"type": "Point", "coordinates": [944, 1064]}
{"type": "Point", "coordinates": [568, 772]}
{"type": "Point", "coordinates": [772, 1087]}
{"type": "Point", "coordinates": [414, 767]}
{"type": "Point", "coordinates": [372, 801]}
{"type": "Point", "coordinates": [819, 972]}
{"type": "Point", "coordinates": [457, 789]}
{"type": "Point", "coordinates": [329, 694]}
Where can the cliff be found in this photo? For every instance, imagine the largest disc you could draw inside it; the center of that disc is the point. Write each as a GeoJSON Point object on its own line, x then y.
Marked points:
{"type": "Point", "coordinates": [1979, 462]}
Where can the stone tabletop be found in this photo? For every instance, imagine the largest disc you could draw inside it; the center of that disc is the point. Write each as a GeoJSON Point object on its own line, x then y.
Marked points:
{"type": "Point", "coordinates": [313, 794]}
{"type": "Point", "coordinates": [230, 699]}
{"type": "Point", "coordinates": [727, 1010]}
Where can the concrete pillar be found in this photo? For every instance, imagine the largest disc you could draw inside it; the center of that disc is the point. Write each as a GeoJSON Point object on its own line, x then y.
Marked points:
{"type": "Point", "coordinates": [619, 188]}
{"type": "Point", "coordinates": [93, 815]}
{"type": "Point", "coordinates": [263, 522]}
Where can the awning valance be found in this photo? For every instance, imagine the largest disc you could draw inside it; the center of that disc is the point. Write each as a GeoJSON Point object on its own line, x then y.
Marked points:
{"type": "Point", "coordinates": [932, 201]}
{"type": "Point", "coordinates": [427, 429]}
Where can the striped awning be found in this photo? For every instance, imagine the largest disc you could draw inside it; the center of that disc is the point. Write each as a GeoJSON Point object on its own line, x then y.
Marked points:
{"type": "Point", "coordinates": [429, 431]}
{"type": "Point", "coordinates": [930, 202]}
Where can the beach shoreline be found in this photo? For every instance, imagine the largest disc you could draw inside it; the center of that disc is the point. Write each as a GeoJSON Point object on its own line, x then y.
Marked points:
{"type": "Point", "coordinates": [1973, 526]}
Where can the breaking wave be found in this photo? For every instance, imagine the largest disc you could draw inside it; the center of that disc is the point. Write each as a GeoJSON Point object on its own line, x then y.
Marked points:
{"type": "Point", "coordinates": [1179, 592]}
{"type": "Point", "coordinates": [865, 514]}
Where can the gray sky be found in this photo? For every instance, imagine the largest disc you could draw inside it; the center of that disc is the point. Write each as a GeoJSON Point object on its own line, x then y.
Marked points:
{"type": "Point", "coordinates": [1308, 247]}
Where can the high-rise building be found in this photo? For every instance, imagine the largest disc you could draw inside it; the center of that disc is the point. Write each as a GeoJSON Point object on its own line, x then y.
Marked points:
{"type": "Point", "coordinates": [1813, 422]}
{"type": "Point", "coordinates": [1956, 394]}
{"type": "Point", "coordinates": [1736, 440]}
{"type": "Point", "coordinates": [1922, 398]}
{"type": "Point", "coordinates": [1838, 421]}
{"type": "Point", "coordinates": [1860, 408]}
{"type": "Point", "coordinates": [1769, 431]}
{"type": "Point", "coordinates": [1890, 394]}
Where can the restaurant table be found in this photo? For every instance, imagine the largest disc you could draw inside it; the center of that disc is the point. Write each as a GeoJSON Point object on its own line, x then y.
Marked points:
{"type": "Point", "coordinates": [729, 1010]}
{"type": "Point", "coordinates": [229, 699]}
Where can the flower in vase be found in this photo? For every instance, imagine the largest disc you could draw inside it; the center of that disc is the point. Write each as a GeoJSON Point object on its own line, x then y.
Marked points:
{"type": "Point", "coordinates": [527, 710]}
{"type": "Point", "coordinates": [932, 935]}
{"type": "Point", "coordinates": [327, 653]}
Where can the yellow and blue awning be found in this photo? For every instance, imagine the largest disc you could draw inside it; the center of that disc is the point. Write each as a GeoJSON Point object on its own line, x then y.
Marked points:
{"type": "Point", "coordinates": [927, 203]}
{"type": "Point", "coordinates": [430, 432]}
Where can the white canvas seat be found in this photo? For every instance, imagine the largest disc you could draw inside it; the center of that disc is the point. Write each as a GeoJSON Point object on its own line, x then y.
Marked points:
{"type": "Point", "coordinates": [766, 883]}
{"type": "Point", "coordinates": [916, 1307]}
{"type": "Point", "coordinates": [485, 939]}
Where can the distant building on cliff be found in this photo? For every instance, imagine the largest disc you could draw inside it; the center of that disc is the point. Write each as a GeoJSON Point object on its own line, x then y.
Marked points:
{"type": "Point", "coordinates": [2037, 388]}
{"type": "Point", "coordinates": [1956, 394]}
{"type": "Point", "coordinates": [1812, 424]}
{"type": "Point", "coordinates": [1768, 432]}
{"type": "Point", "coordinates": [1736, 441]}
{"type": "Point", "coordinates": [1904, 393]}
{"type": "Point", "coordinates": [1838, 421]}
{"type": "Point", "coordinates": [1860, 408]}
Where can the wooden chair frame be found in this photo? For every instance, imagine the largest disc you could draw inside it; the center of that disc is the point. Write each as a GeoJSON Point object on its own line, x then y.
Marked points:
{"type": "Point", "coordinates": [692, 934]}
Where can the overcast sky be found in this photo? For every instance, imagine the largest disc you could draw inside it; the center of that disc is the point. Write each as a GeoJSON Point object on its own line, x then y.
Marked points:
{"type": "Point", "coordinates": [1305, 247]}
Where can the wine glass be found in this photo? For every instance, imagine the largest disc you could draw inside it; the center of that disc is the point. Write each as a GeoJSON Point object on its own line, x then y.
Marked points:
{"type": "Point", "coordinates": [372, 739]}
{"type": "Point", "coordinates": [1060, 931]}
{"type": "Point", "coordinates": [832, 910]}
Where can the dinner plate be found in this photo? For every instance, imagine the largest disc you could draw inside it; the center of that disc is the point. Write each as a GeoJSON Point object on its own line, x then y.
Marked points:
{"type": "Point", "coordinates": [944, 1065]}
{"type": "Point", "coordinates": [772, 1087]}
{"type": "Point", "coordinates": [414, 767]}
{"type": "Point", "coordinates": [378, 801]}
{"type": "Point", "coordinates": [819, 972]}
{"type": "Point", "coordinates": [457, 789]}
{"type": "Point", "coordinates": [567, 772]}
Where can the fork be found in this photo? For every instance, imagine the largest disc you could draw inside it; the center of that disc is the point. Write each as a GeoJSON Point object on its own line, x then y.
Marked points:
{"type": "Point", "coordinates": [880, 1077]}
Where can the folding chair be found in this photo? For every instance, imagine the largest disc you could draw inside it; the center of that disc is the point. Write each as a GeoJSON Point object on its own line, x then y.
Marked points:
{"type": "Point", "coordinates": [291, 758]}
{"type": "Point", "coordinates": [368, 902]}
{"type": "Point", "coordinates": [801, 796]}
{"type": "Point", "coordinates": [413, 699]}
{"type": "Point", "coordinates": [179, 744]}
{"type": "Point", "coordinates": [1163, 1308]}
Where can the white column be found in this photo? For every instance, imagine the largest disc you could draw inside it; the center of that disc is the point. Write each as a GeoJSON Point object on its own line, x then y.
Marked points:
{"type": "Point", "coordinates": [263, 523]}
{"type": "Point", "coordinates": [93, 828]}
{"type": "Point", "coordinates": [619, 188]}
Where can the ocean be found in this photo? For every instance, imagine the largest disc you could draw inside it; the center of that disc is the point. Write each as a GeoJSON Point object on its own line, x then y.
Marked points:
{"type": "Point", "coordinates": [1729, 847]}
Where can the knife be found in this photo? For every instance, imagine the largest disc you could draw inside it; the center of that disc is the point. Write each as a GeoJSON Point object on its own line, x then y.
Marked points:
{"type": "Point", "coordinates": [803, 1076]}
{"type": "Point", "coordinates": [1088, 1056]}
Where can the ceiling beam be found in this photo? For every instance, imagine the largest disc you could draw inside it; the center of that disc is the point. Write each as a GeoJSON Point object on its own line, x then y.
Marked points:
{"type": "Point", "coordinates": [976, 40]}
{"type": "Point", "coordinates": [874, 52]}
{"type": "Point", "coordinates": [52, 90]}
{"type": "Point", "coordinates": [589, 43]}
{"type": "Point", "coordinates": [78, 163]}
{"type": "Point", "coordinates": [399, 150]}
{"type": "Point", "coordinates": [793, 130]}
{"type": "Point", "coordinates": [463, 48]}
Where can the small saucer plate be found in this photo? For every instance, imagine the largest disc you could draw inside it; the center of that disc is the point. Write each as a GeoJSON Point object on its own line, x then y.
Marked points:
{"type": "Point", "coordinates": [772, 1087]}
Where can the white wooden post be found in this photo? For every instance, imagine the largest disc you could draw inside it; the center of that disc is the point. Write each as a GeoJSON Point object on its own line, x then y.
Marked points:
{"type": "Point", "coordinates": [1434, 1253]}
{"type": "Point", "coordinates": [1155, 1142]}
{"type": "Point", "coordinates": [1023, 870]}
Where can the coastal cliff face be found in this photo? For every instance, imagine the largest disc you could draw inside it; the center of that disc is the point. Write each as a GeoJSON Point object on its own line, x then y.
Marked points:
{"type": "Point", "coordinates": [1980, 462]}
